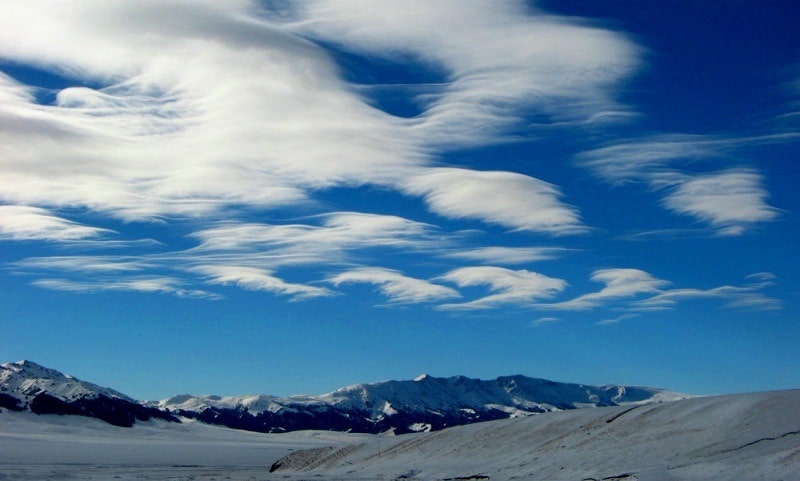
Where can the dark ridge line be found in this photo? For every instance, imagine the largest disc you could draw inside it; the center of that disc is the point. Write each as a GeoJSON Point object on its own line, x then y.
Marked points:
{"type": "Point", "coordinates": [790, 433]}
{"type": "Point", "coordinates": [616, 416]}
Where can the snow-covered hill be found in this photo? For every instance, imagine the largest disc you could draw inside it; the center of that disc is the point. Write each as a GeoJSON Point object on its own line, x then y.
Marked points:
{"type": "Point", "coordinates": [748, 436]}
{"type": "Point", "coordinates": [424, 404]}
{"type": "Point", "coordinates": [27, 386]}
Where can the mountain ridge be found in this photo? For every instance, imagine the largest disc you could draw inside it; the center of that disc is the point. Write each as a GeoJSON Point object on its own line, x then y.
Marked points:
{"type": "Point", "coordinates": [425, 403]}
{"type": "Point", "coordinates": [26, 385]}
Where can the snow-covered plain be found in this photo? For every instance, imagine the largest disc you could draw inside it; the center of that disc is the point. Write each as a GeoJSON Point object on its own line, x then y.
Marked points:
{"type": "Point", "coordinates": [747, 436]}
{"type": "Point", "coordinates": [53, 447]}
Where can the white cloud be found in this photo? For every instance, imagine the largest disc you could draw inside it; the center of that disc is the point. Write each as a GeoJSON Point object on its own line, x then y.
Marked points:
{"type": "Point", "coordinates": [330, 242]}
{"type": "Point", "coordinates": [255, 279]}
{"type": "Point", "coordinates": [766, 278]}
{"type": "Point", "coordinates": [507, 255]}
{"type": "Point", "coordinates": [641, 291]}
{"type": "Point", "coordinates": [544, 320]}
{"type": "Point", "coordinates": [498, 59]}
{"type": "Point", "coordinates": [731, 200]}
{"type": "Point", "coordinates": [203, 107]}
{"type": "Point", "coordinates": [619, 284]}
{"type": "Point", "coordinates": [397, 287]}
{"type": "Point", "coordinates": [648, 160]}
{"type": "Point", "coordinates": [19, 222]}
{"type": "Point", "coordinates": [505, 198]}
{"type": "Point", "coordinates": [191, 108]}
{"type": "Point", "coordinates": [86, 263]}
{"type": "Point", "coordinates": [520, 287]}
{"type": "Point", "coordinates": [615, 320]}
{"type": "Point", "coordinates": [153, 284]}
{"type": "Point", "coordinates": [743, 297]}
{"type": "Point", "coordinates": [197, 111]}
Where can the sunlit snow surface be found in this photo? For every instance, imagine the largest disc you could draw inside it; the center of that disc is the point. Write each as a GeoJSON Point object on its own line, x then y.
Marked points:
{"type": "Point", "coordinates": [748, 436]}
{"type": "Point", "coordinates": [46, 447]}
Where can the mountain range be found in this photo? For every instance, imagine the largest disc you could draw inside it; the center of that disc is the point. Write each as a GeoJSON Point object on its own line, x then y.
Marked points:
{"type": "Point", "coordinates": [425, 403]}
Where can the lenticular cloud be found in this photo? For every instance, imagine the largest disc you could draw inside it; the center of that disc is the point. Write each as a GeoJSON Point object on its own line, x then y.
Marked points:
{"type": "Point", "coordinates": [209, 117]}
{"type": "Point", "coordinates": [194, 107]}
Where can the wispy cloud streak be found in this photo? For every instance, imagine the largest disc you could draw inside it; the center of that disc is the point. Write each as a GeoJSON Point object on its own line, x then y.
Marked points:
{"type": "Point", "coordinates": [732, 200]}
{"type": "Point", "coordinates": [400, 289]}
{"type": "Point", "coordinates": [18, 222]}
{"type": "Point", "coordinates": [255, 279]}
{"type": "Point", "coordinates": [507, 255]}
{"type": "Point", "coordinates": [509, 287]}
{"type": "Point", "coordinates": [619, 284]}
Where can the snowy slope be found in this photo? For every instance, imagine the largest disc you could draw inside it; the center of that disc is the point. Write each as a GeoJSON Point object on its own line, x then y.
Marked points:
{"type": "Point", "coordinates": [423, 404]}
{"type": "Point", "coordinates": [749, 436]}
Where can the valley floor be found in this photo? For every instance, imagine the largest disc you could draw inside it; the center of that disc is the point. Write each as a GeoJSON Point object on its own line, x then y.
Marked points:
{"type": "Point", "coordinates": [52, 447]}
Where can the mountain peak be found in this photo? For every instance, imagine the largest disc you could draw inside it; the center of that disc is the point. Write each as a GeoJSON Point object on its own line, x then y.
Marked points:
{"type": "Point", "coordinates": [27, 379]}
{"type": "Point", "coordinates": [26, 385]}
{"type": "Point", "coordinates": [422, 377]}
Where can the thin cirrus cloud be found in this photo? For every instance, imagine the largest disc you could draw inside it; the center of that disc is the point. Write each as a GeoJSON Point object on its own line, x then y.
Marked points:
{"type": "Point", "coordinates": [255, 279]}
{"type": "Point", "coordinates": [508, 287]}
{"type": "Point", "coordinates": [544, 321]}
{"type": "Point", "coordinates": [398, 288]}
{"type": "Point", "coordinates": [90, 264]}
{"type": "Point", "coordinates": [731, 200]}
{"type": "Point", "coordinates": [333, 239]}
{"type": "Point", "coordinates": [749, 296]}
{"type": "Point", "coordinates": [637, 290]}
{"type": "Point", "coordinates": [236, 254]}
{"type": "Point", "coordinates": [142, 284]}
{"type": "Point", "coordinates": [615, 320]}
{"type": "Point", "coordinates": [746, 297]}
{"type": "Point", "coordinates": [620, 283]}
{"type": "Point", "coordinates": [19, 222]}
{"type": "Point", "coordinates": [507, 255]}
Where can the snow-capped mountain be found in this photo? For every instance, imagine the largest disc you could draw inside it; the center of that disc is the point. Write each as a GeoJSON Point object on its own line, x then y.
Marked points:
{"type": "Point", "coordinates": [27, 379]}
{"type": "Point", "coordinates": [425, 403]}
{"type": "Point", "coordinates": [25, 385]}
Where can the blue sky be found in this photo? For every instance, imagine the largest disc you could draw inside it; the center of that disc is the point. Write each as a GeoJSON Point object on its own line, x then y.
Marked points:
{"type": "Point", "coordinates": [288, 197]}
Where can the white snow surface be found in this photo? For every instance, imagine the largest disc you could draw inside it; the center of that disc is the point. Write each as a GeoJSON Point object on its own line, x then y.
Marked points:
{"type": "Point", "coordinates": [747, 436]}
{"type": "Point", "coordinates": [53, 447]}
{"type": "Point", "coordinates": [26, 379]}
